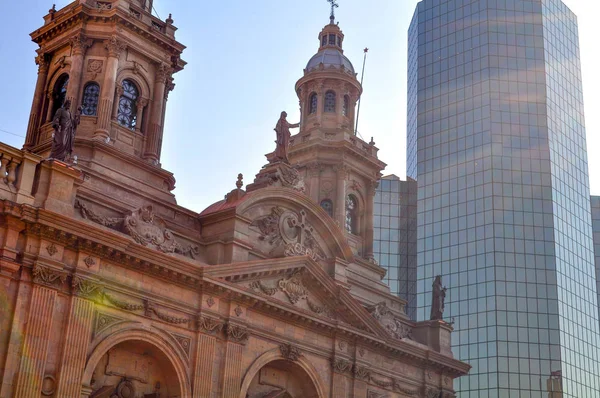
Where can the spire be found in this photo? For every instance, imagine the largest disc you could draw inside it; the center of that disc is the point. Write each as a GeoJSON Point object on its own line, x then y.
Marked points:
{"type": "Point", "coordinates": [334, 5]}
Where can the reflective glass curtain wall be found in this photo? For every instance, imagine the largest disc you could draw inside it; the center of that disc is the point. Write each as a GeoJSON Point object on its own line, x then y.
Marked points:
{"type": "Point", "coordinates": [595, 205]}
{"type": "Point", "coordinates": [395, 237]}
{"type": "Point", "coordinates": [503, 193]}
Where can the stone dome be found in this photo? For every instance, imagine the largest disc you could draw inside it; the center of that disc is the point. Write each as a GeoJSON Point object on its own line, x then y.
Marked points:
{"type": "Point", "coordinates": [330, 57]}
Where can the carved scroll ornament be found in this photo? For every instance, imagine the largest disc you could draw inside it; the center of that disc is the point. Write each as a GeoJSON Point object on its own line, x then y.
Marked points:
{"type": "Point", "coordinates": [238, 334]}
{"type": "Point", "coordinates": [144, 227]}
{"type": "Point", "coordinates": [289, 234]}
{"type": "Point", "coordinates": [48, 276]}
{"type": "Point", "coordinates": [392, 324]}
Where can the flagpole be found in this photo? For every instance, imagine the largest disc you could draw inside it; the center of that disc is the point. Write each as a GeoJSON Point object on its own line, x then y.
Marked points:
{"type": "Point", "coordinates": [362, 75]}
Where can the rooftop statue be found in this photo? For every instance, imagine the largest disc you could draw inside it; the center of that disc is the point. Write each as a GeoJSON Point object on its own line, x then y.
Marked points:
{"type": "Point", "coordinates": [283, 138]}
{"type": "Point", "coordinates": [438, 296]}
{"type": "Point", "coordinates": [65, 126]}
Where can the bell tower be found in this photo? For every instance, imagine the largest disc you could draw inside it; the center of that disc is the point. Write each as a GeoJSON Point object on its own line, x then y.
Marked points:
{"type": "Point", "coordinates": [116, 61]}
{"type": "Point", "coordinates": [340, 170]}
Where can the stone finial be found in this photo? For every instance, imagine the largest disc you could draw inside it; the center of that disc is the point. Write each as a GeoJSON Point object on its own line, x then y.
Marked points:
{"type": "Point", "coordinates": [240, 183]}
{"type": "Point", "coordinates": [372, 143]}
{"type": "Point", "coordinates": [170, 19]}
{"type": "Point", "coordinates": [52, 10]}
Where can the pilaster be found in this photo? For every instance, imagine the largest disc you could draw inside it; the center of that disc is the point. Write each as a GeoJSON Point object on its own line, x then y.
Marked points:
{"type": "Point", "coordinates": [114, 46]}
{"type": "Point", "coordinates": [237, 335]}
{"type": "Point", "coordinates": [163, 73]}
{"type": "Point", "coordinates": [79, 44]}
{"type": "Point", "coordinates": [38, 97]}
{"type": "Point", "coordinates": [205, 356]}
{"type": "Point", "coordinates": [37, 335]}
{"type": "Point", "coordinates": [57, 184]}
{"type": "Point", "coordinates": [76, 340]}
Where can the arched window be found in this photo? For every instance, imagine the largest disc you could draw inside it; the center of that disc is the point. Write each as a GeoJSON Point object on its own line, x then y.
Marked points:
{"type": "Point", "coordinates": [59, 93]}
{"type": "Point", "coordinates": [127, 112]}
{"type": "Point", "coordinates": [352, 214]}
{"type": "Point", "coordinates": [89, 103]}
{"type": "Point", "coordinates": [346, 105]}
{"type": "Point", "coordinates": [330, 101]}
{"type": "Point", "coordinates": [312, 103]}
{"type": "Point", "coordinates": [327, 205]}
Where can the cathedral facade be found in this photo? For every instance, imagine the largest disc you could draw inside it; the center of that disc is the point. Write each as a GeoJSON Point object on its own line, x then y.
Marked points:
{"type": "Point", "coordinates": [110, 289]}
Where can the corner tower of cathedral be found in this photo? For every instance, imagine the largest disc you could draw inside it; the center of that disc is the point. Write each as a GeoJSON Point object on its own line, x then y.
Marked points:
{"type": "Point", "coordinates": [340, 170]}
{"type": "Point", "coordinates": [116, 61]}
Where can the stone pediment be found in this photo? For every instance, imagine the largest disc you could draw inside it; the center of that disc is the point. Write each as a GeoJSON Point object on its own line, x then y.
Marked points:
{"type": "Point", "coordinates": [301, 285]}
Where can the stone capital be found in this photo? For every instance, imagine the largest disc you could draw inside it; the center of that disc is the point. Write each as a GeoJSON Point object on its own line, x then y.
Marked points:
{"type": "Point", "coordinates": [48, 276]}
{"type": "Point", "coordinates": [163, 73]}
{"type": "Point", "coordinates": [42, 63]}
{"type": "Point", "coordinates": [114, 46]}
{"type": "Point", "coordinates": [80, 43]}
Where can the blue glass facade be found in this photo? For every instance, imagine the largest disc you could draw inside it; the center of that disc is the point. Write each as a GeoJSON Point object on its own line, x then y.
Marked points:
{"type": "Point", "coordinates": [496, 141]}
{"type": "Point", "coordinates": [395, 237]}
{"type": "Point", "coordinates": [595, 204]}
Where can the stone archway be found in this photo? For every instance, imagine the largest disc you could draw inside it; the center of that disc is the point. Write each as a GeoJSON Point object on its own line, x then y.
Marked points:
{"type": "Point", "coordinates": [272, 376]}
{"type": "Point", "coordinates": [136, 363]}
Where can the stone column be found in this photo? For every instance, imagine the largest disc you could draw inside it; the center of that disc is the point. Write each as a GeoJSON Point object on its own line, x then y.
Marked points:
{"type": "Point", "coordinates": [232, 371]}
{"type": "Point", "coordinates": [340, 205]}
{"type": "Point", "coordinates": [79, 44]}
{"type": "Point", "coordinates": [50, 99]}
{"type": "Point", "coordinates": [314, 173]}
{"type": "Point", "coordinates": [35, 116]}
{"type": "Point", "coordinates": [140, 104]}
{"type": "Point", "coordinates": [79, 330]}
{"type": "Point", "coordinates": [37, 334]}
{"type": "Point", "coordinates": [114, 47]}
{"type": "Point", "coordinates": [341, 368]}
{"type": "Point", "coordinates": [205, 356]}
{"type": "Point", "coordinates": [368, 214]}
{"type": "Point", "coordinates": [153, 138]}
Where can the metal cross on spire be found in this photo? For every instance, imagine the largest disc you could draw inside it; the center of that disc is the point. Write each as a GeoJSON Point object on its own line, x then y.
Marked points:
{"type": "Point", "coordinates": [334, 5]}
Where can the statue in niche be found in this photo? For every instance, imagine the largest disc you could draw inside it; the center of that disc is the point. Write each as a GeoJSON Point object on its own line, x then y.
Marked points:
{"type": "Point", "coordinates": [438, 296]}
{"type": "Point", "coordinates": [65, 125]}
{"type": "Point", "coordinates": [283, 138]}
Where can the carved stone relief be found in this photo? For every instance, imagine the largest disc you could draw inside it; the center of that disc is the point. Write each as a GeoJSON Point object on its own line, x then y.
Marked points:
{"type": "Point", "coordinates": [341, 365]}
{"type": "Point", "coordinates": [236, 333]}
{"type": "Point", "coordinates": [294, 290]}
{"type": "Point", "coordinates": [290, 352]}
{"type": "Point", "coordinates": [209, 325]}
{"type": "Point", "coordinates": [48, 276]}
{"type": "Point", "coordinates": [104, 321]}
{"type": "Point", "coordinates": [144, 227]}
{"type": "Point", "coordinates": [288, 233]}
{"type": "Point", "coordinates": [392, 324]}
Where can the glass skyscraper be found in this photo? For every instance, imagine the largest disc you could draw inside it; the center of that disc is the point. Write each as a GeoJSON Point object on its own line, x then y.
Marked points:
{"type": "Point", "coordinates": [595, 202]}
{"type": "Point", "coordinates": [496, 141]}
{"type": "Point", "coordinates": [395, 237]}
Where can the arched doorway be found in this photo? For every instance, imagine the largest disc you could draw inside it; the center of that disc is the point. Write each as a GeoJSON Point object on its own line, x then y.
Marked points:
{"type": "Point", "coordinates": [132, 369]}
{"type": "Point", "coordinates": [282, 379]}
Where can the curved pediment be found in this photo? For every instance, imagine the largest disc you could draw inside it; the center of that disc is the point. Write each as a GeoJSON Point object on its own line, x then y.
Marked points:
{"type": "Point", "coordinates": [287, 223]}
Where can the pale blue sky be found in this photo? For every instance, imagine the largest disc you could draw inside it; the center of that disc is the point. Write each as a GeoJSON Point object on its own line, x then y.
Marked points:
{"type": "Point", "coordinates": [244, 58]}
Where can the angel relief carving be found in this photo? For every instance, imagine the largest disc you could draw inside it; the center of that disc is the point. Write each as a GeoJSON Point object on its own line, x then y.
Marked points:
{"type": "Point", "coordinates": [288, 234]}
